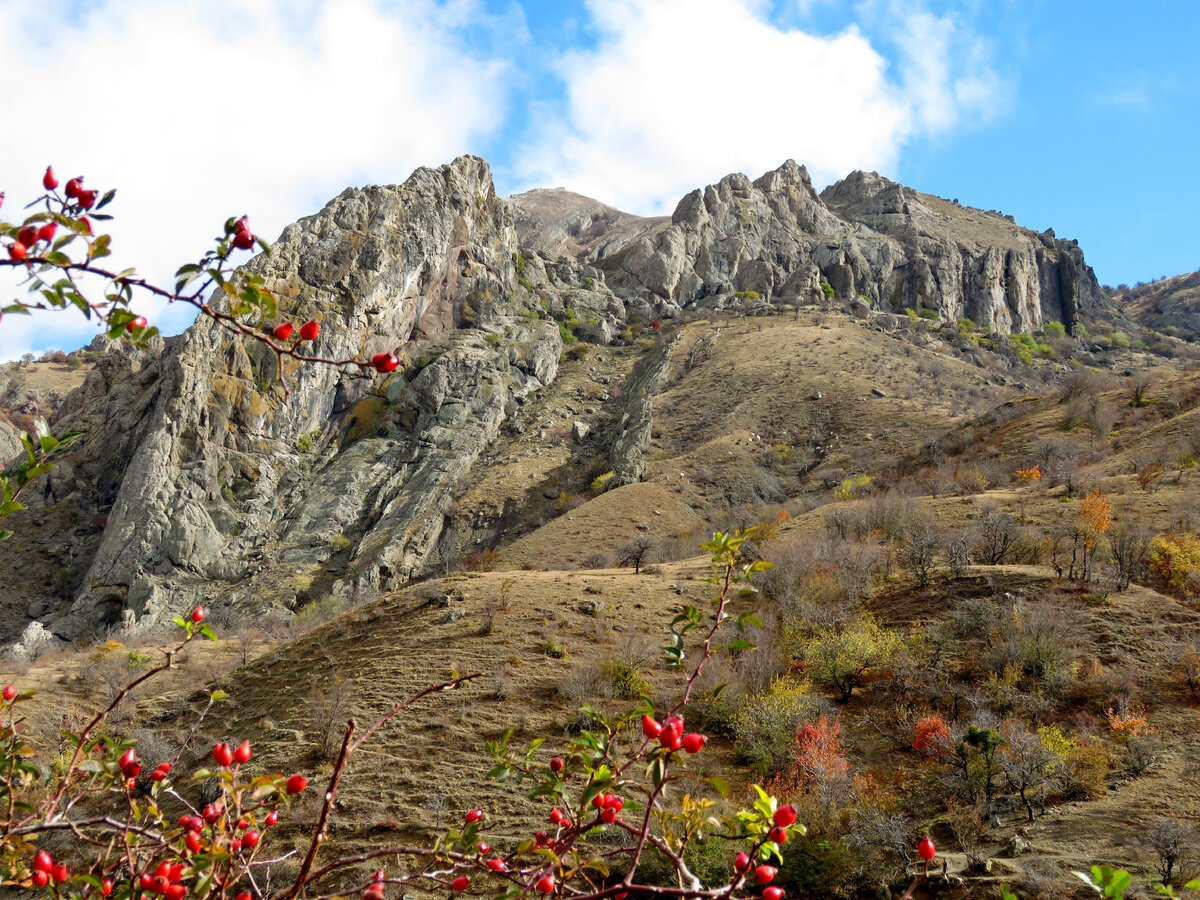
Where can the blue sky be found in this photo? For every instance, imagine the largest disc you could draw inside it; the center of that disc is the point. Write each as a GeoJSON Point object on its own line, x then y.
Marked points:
{"type": "Point", "coordinates": [1077, 115]}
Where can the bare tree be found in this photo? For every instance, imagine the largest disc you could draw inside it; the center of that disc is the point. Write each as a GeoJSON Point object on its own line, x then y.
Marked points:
{"type": "Point", "coordinates": [918, 551]}
{"type": "Point", "coordinates": [1129, 547]}
{"type": "Point", "coordinates": [1171, 843]}
{"type": "Point", "coordinates": [1138, 387]}
{"type": "Point", "coordinates": [995, 534]}
{"type": "Point", "coordinates": [636, 553]}
{"type": "Point", "coordinates": [970, 827]}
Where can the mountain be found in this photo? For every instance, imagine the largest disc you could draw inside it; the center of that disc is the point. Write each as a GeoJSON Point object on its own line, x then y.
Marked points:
{"type": "Point", "coordinates": [200, 478]}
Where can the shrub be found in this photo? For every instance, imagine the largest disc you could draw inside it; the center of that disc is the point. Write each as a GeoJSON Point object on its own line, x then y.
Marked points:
{"type": "Point", "coordinates": [1175, 564]}
{"type": "Point", "coordinates": [1053, 329]}
{"type": "Point", "coordinates": [841, 655]}
{"type": "Point", "coordinates": [827, 290]}
{"type": "Point", "coordinates": [766, 723]}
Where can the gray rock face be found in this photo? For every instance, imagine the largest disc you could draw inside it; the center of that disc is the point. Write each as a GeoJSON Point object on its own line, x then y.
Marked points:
{"type": "Point", "coordinates": [204, 475]}
{"type": "Point", "coordinates": [632, 435]}
{"type": "Point", "coordinates": [964, 262]}
{"type": "Point", "coordinates": [865, 237]}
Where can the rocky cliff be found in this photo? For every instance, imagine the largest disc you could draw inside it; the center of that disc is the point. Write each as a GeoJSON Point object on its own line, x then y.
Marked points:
{"type": "Point", "coordinates": [865, 237]}
{"type": "Point", "coordinates": [198, 477]}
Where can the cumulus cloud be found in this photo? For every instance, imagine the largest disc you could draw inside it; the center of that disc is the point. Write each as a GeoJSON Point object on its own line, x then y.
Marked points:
{"type": "Point", "coordinates": [677, 93]}
{"type": "Point", "coordinates": [199, 111]}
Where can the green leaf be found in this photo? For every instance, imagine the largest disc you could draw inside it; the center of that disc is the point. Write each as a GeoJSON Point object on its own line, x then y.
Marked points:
{"type": "Point", "coordinates": [106, 199]}
{"type": "Point", "coordinates": [720, 784]}
{"type": "Point", "coordinates": [218, 695]}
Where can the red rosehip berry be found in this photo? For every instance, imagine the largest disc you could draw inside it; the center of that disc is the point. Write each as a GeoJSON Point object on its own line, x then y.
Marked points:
{"type": "Point", "coordinates": [483, 847]}
{"type": "Point", "coordinates": [546, 884]}
{"type": "Point", "coordinates": [778, 835]}
{"type": "Point", "coordinates": [176, 871]}
{"type": "Point", "coordinates": [541, 839]}
{"type": "Point", "coordinates": [10, 691]}
{"type": "Point", "coordinates": [146, 881]}
{"type": "Point", "coordinates": [243, 240]}
{"type": "Point", "coordinates": [651, 728]}
{"type": "Point", "coordinates": [384, 363]}
{"type": "Point", "coordinates": [556, 764]}
{"type": "Point", "coordinates": [556, 816]}
{"type": "Point", "coordinates": [296, 784]}
{"type": "Point", "coordinates": [27, 235]}
{"type": "Point", "coordinates": [133, 326]}
{"type": "Point", "coordinates": [926, 850]}
{"type": "Point", "coordinates": [272, 818]}
{"type": "Point", "coordinates": [49, 182]}
{"type": "Point", "coordinates": [59, 873]}
{"type": "Point", "coordinates": [40, 879]}
{"type": "Point", "coordinates": [283, 331]}
{"type": "Point", "coordinates": [784, 816]}
{"type": "Point", "coordinates": [243, 823]}
{"type": "Point", "coordinates": [251, 838]}
{"type": "Point", "coordinates": [191, 840]}
{"type": "Point", "coordinates": [741, 862]}
{"type": "Point", "coordinates": [497, 865]}
{"type": "Point", "coordinates": [243, 896]}
{"type": "Point", "coordinates": [213, 812]}
{"type": "Point", "coordinates": [461, 883]}
{"type": "Point", "coordinates": [106, 887]}
{"type": "Point", "coordinates": [764, 874]}
{"type": "Point", "coordinates": [243, 753]}
{"type": "Point", "coordinates": [309, 330]}
{"type": "Point", "coordinates": [694, 743]}
{"type": "Point", "coordinates": [43, 861]}
{"type": "Point", "coordinates": [608, 815]}
{"type": "Point", "coordinates": [198, 614]}
{"type": "Point", "coordinates": [599, 799]}
{"type": "Point", "coordinates": [86, 199]}
{"type": "Point", "coordinates": [158, 775]}
{"type": "Point", "coordinates": [374, 892]}
{"type": "Point", "coordinates": [222, 755]}
{"type": "Point", "coordinates": [17, 251]}
{"type": "Point", "coordinates": [473, 816]}
{"type": "Point", "coordinates": [621, 896]}
{"type": "Point", "coordinates": [175, 891]}
{"type": "Point", "coordinates": [773, 893]}
{"type": "Point", "coordinates": [163, 870]}
{"type": "Point", "coordinates": [614, 802]}
{"type": "Point", "coordinates": [46, 232]}
{"type": "Point", "coordinates": [74, 186]}
{"type": "Point", "coordinates": [671, 737]}
{"type": "Point", "coordinates": [236, 845]}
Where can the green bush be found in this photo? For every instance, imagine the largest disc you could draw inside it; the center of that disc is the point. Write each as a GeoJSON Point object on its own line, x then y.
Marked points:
{"type": "Point", "coordinates": [814, 868]}
{"type": "Point", "coordinates": [567, 337]}
{"type": "Point", "coordinates": [827, 290]}
{"type": "Point", "coordinates": [1053, 329]}
{"type": "Point", "coordinates": [765, 724]}
{"type": "Point", "coordinates": [492, 340]}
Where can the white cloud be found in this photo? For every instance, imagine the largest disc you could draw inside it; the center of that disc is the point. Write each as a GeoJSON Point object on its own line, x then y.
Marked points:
{"type": "Point", "coordinates": [200, 110]}
{"type": "Point", "coordinates": [679, 92]}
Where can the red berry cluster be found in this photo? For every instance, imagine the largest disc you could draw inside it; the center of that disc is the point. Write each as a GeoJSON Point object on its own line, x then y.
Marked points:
{"type": "Point", "coordinates": [308, 331]}
{"type": "Point", "coordinates": [670, 734]}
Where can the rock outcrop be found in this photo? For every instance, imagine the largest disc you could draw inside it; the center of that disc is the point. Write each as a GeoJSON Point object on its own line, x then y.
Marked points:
{"type": "Point", "coordinates": [200, 476]}
{"type": "Point", "coordinates": [866, 238]}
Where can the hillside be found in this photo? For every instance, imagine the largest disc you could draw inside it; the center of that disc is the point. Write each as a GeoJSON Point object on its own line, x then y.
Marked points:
{"type": "Point", "coordinates": [954, 452]}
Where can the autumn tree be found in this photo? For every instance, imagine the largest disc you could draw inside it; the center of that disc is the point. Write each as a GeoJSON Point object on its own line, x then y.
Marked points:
{"type": "Point", "coordinates": [842, 654]}
{"type": "Point", "coordinates": [822, 769]}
